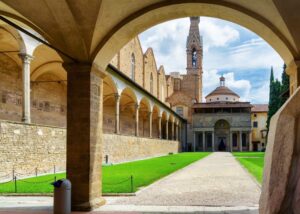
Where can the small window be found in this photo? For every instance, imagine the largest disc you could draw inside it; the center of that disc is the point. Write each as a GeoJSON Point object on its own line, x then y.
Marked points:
{"type": "Point", "coordinates": [47, 106]}
{"type": "Point", "coordinates": [34, 103]}
{"type": "Point", "coordinates": [255, 115]}
{"type": "Point", "coordinates": [4, 98]}
{"type": "Point", "coordinates": [179, 110]}
{"type": "Point", "coordinates": [218, 98]}
{"type": "Point", "coordinates": [255, 124]}
{"type": "Point", "coordinates": [132, 67]}
{"type": "Point", "coordinates": [151, 83]}
{"type": "Point", "coordinates": [209, 99]}
{"type": "Point", "coordinates": [226, 98]}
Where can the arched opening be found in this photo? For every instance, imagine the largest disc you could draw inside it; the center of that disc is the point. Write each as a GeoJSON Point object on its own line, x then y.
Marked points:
{"type": "Point", "coordinates": [144, 118]}
{"type": "Point", "coordinates": [155, 121]}
{"type": "Point", "coordinates": [222, 136]}
{"type": "Point", "coordinates": [164, 127]}
{"type": "Point", "coordinates": [49, 108]}
{"type": "Point", "coordinates": [132, 67]}
{"type": "Point", "coordinates": [128, 105]}
{"type": "Point", "coordinates": [110, 96]}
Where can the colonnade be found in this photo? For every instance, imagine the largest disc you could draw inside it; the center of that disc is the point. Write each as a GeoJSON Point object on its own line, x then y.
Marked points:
{"type": "Point", "coordinates": [175, 124]}
{"type": "Point", "coordinates": [240, 146]}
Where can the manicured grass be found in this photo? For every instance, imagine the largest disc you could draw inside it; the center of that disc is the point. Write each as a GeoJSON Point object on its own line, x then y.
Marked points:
{"type": "Point", "coordinates": [116, 178]}
{"type": "Point", "coordinates": [253, 162]}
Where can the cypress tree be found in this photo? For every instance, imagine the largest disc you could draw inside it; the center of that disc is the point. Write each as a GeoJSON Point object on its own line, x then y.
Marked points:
{"type": "Point", "coordinates": [272, 105]}
{"type": "Point", "coordinates": [285, 84]}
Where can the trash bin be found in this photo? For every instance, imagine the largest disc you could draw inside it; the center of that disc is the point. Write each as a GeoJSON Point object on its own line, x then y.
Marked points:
{"type": "Point", "coordinates": [62, 197]}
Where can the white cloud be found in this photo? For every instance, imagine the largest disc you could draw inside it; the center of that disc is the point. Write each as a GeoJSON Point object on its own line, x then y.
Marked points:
{"type": "Point", "coordinates": [227, 47]}
{"type": "Point", "coordinates": [216, 33]}
{"type": "Point", "coordinates": [211, 81]}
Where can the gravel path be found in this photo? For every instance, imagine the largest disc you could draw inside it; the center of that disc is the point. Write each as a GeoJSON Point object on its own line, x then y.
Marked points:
{"type": "Point", "coordinates": [217, 180]}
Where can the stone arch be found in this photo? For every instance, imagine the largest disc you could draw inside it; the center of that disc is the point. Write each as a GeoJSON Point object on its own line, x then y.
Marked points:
{"type": "Point", "coordinates": [144, 122]}
{"type": "Point", "coordinates": [155, 126]}
{"type": "Point", "coordinates": [171, 126]}
{"type": "Point", "coordinates": [11, 43]}
{"type": "Point", "coordinates": [49, 108]}
{"type": "Point", "coordinates": [110, 94]}
{"type": "Point", "coordinates": [221, 136]}
{"type": "Point", "coordinates": [54, 68]}
{"type": "Point", "coordinates": [128, 102]}
{"type": "Point", "coordinates": [164, 11]}
{"type": "Point", "coordinates": [164, 119]}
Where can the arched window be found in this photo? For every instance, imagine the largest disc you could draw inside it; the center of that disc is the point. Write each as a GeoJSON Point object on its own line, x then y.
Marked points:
{"type": "Point", "coordinates": [162, 93]}
{"type": "Point", "coordinates": [151, 83]}
{"type": "Point", "coordinates": [132, 67]}
{"type": "Point", "coordinates": [194, 58]}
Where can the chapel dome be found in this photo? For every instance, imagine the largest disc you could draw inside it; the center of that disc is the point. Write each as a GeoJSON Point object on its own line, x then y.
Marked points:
{"type": "Point", "coordinates": [222, 94]}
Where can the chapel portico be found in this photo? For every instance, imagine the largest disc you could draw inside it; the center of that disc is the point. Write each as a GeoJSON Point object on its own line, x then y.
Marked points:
{"type": "Point", "coordinates": [222, 123]}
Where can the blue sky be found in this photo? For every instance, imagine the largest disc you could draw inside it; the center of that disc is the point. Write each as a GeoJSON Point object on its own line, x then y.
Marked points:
{"type": "Point", "coordinates": [229, 49]}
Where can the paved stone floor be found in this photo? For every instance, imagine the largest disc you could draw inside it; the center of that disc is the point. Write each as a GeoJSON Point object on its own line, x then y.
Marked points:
{"type": "Point", "coordinates": [215, 184]}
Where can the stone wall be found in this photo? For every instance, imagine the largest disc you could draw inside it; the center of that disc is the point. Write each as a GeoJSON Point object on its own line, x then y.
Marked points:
{"type": "Point", "coordinates": [26, 147]}
{"type": "Point", "coordinates": [121, 148]}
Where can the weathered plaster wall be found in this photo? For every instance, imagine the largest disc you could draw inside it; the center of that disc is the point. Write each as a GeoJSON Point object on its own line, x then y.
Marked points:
{"type": "Point", "coordinates": [48, 99]}
{"type": "Point", "coordinates": [124, 148]}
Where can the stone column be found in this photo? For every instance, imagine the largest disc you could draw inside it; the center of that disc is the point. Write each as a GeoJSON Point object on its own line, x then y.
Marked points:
{"type": "Point", "coordinates": [137, 107]}
{"type": "Point", "coordinates": [167, 130]}
{"type": "Point", "coordinates": [213, 141]}
{"type": "Point", "coordinates": [230, 141]}
{"type": "Point", "coordinates": [117, 115]}
{"type": "Point", "coordinates": [26, 118]}
{"type": "Point", "coordinates": [176, 131]}
{"type": "Point", "coordinates": [159, 127]}
{"type": "Point", "coordinates": [150, 123]}
{"type": "Point", "coordinates": [241, 142]}
{"type": "Point", "coordinates": [194, 142]}
{"type": "Point", "coordinates": [293, 70]}
{"type": "Point", "coordinates": [172, 130]}
{"type": "Point", "coordinates": [84, 135]}
{"type": "Point", "coordinates": [250, 141]}
{"type": "Point", "coordinates": [203, 141]}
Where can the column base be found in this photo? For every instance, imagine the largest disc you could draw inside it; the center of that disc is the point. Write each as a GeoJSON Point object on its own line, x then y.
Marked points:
{"type": "Point", "coordinates": [89, 206]}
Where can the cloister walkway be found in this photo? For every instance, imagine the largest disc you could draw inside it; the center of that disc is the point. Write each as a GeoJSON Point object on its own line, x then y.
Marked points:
{"type": "Point", "coordinates": [215, 181]}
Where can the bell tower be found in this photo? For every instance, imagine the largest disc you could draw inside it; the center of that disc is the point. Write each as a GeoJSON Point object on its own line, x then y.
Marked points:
{"type": "Point", "coordinates": [194, 53]}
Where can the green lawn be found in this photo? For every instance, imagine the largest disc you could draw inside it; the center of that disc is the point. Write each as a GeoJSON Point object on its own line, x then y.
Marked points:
{"type": "Point", "coordinates": [253, 162]}
{"type": "Point", "coordinates": [116, 178]}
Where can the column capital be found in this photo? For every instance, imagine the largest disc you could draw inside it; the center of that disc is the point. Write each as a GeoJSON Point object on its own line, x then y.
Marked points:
{"type": "Point", "coordinates": [117, 96]}
{"type": "Point", "coordinates": [137, 106]}
{"type": "Point", "coordinates": [26, 58]}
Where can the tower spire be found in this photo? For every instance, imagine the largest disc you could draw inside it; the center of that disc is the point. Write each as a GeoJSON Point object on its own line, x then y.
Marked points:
{"type": "Point", "coordinates": [194, 59]}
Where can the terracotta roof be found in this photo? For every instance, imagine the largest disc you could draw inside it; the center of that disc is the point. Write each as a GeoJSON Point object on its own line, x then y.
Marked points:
{"type": "Point", "coordinates": [260, 108]}
{"type": "Point", "coordinates": [223, 105]}
{"type": "Point", "coordinates": [222, 90]}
